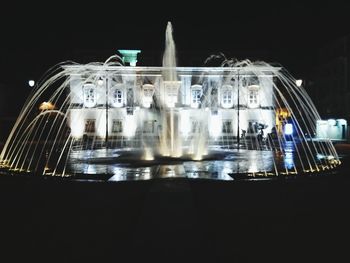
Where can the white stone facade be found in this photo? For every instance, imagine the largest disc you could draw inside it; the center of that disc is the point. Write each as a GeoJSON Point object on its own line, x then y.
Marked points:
{"type": "Point", "coordinates": [135, 100]}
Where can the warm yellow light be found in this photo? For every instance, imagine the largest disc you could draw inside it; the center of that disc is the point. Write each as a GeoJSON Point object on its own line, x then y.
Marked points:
{"type": "Point", "coordinates": [148, 156]}
{"type": "Point", "coordinates": [46, 106]}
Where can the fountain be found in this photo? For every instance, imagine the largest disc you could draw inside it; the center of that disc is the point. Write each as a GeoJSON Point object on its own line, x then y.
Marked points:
{"type": "Point", "coordinates": [132, 122]}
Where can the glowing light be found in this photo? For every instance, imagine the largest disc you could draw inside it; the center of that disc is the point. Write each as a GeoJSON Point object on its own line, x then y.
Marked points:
{"type": "Point", "coordinates": [288, 129]}
{"type": "Point", "coordinates": [31, 83]}
{"type": "Point", "coordinates": [100, 82]}
{"type": "Point", "coordinates": [299, 82]}
{"type": "Point", "coordinates": [118, 174]}
{"type": "Point", "coordinates": [89, 169]}
{"type": "Point", "coordinates": [253, 167]}
{"type": "Point", "coordinates": [197, 157]}
{"type": "Point", "coordinates": [288, 160]}
{"type": "Point", "coordinates": [320, 156]}
{"type": "Point", "coordinates": [46, 106]}
{"type": "Point", "coordinates": [148, 155]}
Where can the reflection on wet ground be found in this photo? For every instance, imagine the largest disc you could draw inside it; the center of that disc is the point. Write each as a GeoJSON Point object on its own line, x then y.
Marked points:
{"type": "Point", "coordinates": [120, 168]}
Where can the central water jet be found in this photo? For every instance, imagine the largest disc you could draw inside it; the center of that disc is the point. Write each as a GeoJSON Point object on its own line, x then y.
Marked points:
{"type": "Point", "coordinates": [171, 140]}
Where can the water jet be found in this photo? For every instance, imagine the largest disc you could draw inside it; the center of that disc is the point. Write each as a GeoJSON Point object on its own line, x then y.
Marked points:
{"type": "Point", "coordinates": [240, 117]}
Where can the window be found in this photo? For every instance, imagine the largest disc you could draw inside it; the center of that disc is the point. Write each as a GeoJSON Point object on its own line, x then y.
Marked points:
{"type": "Point", "coordinates": [89, 125]}
{"type": "Point", "coordinates": [227, 126]}
{"type": "Point", "coordinates": [89, 95]}
{"type": "Point", "coordinates": [117, 126]}
{"type": "Point", "coordinates": [227, 97]}
{"type": "Point", "coordinates": [227, 94]}
{"type": "Point", "coordinates": [148, 91]}
{"type": "Point", "coordinates": [148, 126]}
{"type": "Point", "coordinates": [117, 98]}
{"type": "Point", "coordinates": [253, 96]}
{"type": "Point", "coordinates": [196, 94]}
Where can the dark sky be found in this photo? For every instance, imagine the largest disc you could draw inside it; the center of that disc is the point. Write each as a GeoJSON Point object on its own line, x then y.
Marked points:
{"type": "Point", "coordinates": [36, 38]}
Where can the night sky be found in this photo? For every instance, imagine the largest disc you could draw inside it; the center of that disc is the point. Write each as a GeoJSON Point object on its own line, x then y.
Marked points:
{"type": "Point", "coordinates": [35, 38]}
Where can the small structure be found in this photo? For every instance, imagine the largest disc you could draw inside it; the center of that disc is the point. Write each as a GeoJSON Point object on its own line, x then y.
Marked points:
{"type": "Point", "coordinates": [331, 129]}
{"type": "Point", "coordinates": [129, 56]}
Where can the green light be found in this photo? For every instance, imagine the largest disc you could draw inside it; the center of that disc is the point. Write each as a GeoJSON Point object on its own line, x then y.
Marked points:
{"type": "Point", "coordinates": [129, 56]}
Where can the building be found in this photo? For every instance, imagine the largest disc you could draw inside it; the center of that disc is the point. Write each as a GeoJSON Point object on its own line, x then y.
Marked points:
{"type": "Point", "coordinates": [137, 107]}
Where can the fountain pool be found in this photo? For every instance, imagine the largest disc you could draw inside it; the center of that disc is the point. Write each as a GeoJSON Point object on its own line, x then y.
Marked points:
{"type": "Point", "coordinates": [134, 122]}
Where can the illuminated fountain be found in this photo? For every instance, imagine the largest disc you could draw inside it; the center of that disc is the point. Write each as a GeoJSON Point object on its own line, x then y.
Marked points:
{"type": "Point", "coordinates": [143, 122]}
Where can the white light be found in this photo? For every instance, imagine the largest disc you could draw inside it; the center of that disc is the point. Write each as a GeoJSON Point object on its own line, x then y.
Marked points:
{"type": "Point", "coordinates": [148, 155]}
{"type": "Point", "coordinates": [31, 83]}
{"type": "Point", "coordinates": [298, 82]}
{"type": "Point", "coordinates": [288, 129]}
{"type": "Point", "coordinates": [330, 157]}
{"type": "Point", "coordinates": [100, 82]}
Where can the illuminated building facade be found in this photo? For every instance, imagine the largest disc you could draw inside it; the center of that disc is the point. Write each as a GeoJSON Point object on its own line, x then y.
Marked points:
{"type": "Point", "coordinates": [135, 101]}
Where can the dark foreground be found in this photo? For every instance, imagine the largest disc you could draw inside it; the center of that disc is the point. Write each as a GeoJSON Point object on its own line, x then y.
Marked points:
{"type": "Point", "coordinates": [175, 220]}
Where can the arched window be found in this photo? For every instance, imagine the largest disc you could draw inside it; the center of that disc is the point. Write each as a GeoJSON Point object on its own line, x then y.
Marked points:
{"type": "Point", "coordinates": [89, 92]}
{"type": "Point", "coordinates": [196, 94]}
{"type": "Point", "coordinates": [227, 96]}
{"type": "Point", "coordinates": [253, 96]}
{"type": "Point", "coordinates": [117, 98]}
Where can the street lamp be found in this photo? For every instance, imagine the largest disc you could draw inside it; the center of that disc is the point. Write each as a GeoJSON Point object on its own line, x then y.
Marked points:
{"type": "Point", "coordinates": [31, 83]}
{"type": "Point", "coordinates": [299, 82]}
